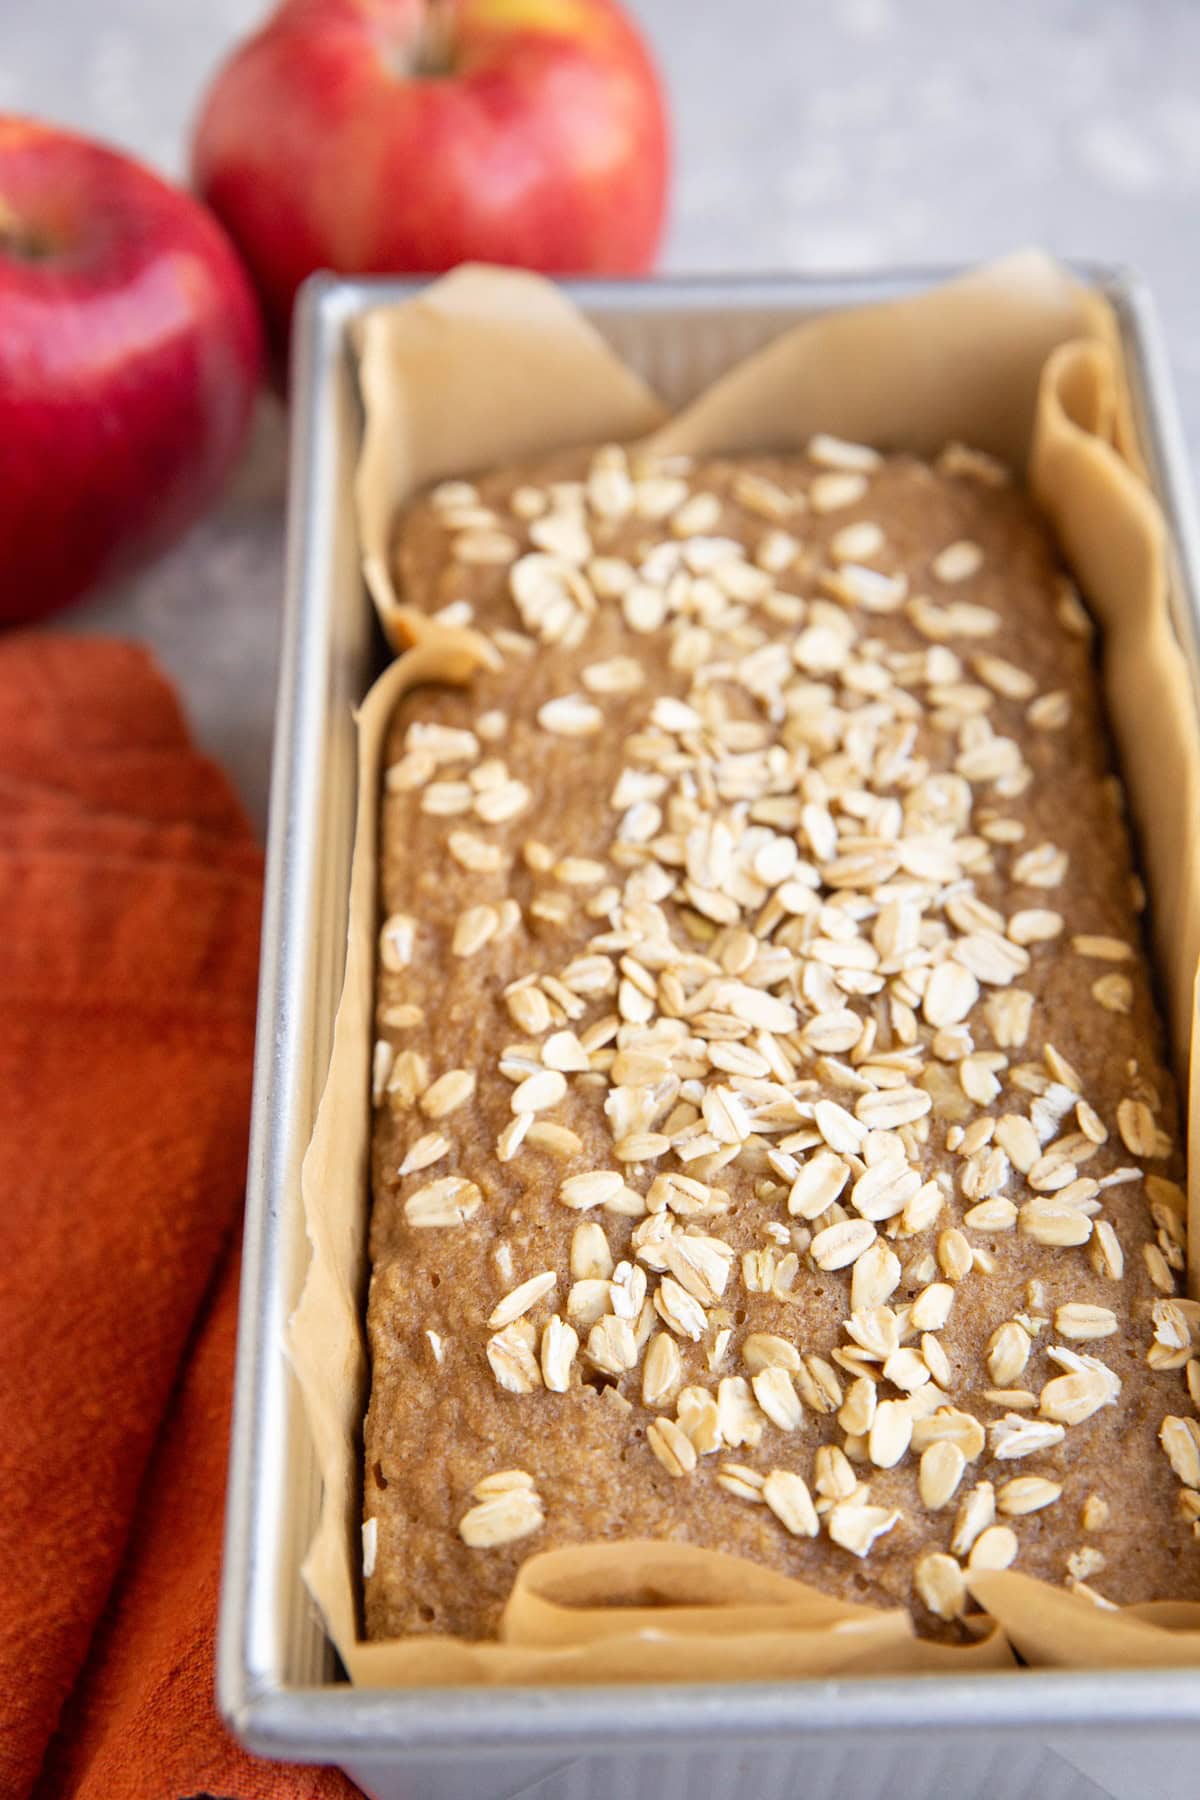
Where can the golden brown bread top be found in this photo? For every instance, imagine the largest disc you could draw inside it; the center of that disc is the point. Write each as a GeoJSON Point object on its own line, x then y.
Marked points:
{"type": "Point", "coordinates": [773, 1147]}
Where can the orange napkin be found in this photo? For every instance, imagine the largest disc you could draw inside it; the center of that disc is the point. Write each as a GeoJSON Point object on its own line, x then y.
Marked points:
{"type": "Point", "coordinates": [130, 889]}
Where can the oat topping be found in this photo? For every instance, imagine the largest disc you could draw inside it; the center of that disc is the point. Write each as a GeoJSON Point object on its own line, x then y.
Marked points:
{"type": "Point", "coordinates": [779, 1027]}
{"type": "Point", "coordinates": [788, 1497]}
{"type": "Point", "coordinates": [517, 1303]}
{"type": "Point", "coordinates": [855, 1525]}
{"type": "Point", "coordinates": [994, 1548]}
{"type": "Point", "coordinates": [1180, 1439]}
{"type": "Point", "coordinates": [1095, 1514]}
{"type": "Point", "coordinates": [957, 562]}
{"type": "Point", "coordinates": [507, 1507]}
{"type": "Point", "coordinates": [449, 1201]}
{"type": "Point", "coordinates": [941, 1585]}
{"type": "Point", "coordinates": [1026, 1494]}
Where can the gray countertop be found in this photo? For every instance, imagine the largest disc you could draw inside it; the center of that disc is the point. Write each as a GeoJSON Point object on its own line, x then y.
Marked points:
{"type": "Point", "coordinates": [836, 137]}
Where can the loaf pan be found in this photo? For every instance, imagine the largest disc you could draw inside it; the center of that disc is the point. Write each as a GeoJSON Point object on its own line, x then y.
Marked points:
{"type": "Point", "coordinates": [1061, 1735]}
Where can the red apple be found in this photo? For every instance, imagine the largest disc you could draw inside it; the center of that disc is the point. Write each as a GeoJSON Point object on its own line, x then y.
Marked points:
{"type": "Point", "coordinates": [130, 351]}
{"type": "Point", "coordinates": [363, 135]}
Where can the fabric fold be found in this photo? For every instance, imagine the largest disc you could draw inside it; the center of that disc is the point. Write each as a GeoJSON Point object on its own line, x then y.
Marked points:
{"type": "Point", "coordinates": [130, 900]}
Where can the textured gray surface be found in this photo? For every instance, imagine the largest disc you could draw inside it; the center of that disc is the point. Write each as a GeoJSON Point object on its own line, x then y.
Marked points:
{"type": "Point", "coordinates": [837, 136]}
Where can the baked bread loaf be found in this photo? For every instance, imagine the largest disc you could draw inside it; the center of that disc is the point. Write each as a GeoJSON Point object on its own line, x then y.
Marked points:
{"type": "Point", "coordinates": [773, 1146]}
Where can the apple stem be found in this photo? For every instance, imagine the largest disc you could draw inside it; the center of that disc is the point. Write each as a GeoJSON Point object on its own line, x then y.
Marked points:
{"type": "Point", "coordinates": [18, 240]}
{"type": "Point", "coordinates": [435, 49]}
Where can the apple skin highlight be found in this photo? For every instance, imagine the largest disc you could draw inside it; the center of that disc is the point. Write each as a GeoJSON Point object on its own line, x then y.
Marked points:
{"type": "Point", "coordinates": [130, 353]}
{"type": "Point", "coordinates": [404, 136]}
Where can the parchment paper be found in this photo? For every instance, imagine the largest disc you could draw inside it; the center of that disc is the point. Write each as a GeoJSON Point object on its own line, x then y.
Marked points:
{"type": "Point", "coordinates": [491, 366]}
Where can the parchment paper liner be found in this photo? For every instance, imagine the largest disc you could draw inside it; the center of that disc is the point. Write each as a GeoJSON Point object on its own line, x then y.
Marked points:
{"type": "Point", "coordinates": [490, 366]}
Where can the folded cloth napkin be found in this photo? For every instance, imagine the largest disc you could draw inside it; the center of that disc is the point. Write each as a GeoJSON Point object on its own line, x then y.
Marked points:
{"type": "Point", "coordinates": [130, 890]}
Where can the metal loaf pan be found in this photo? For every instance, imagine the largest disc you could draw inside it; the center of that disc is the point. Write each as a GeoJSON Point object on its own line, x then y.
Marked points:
{"type": "Point", "coordinates": [1063, 1736]}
